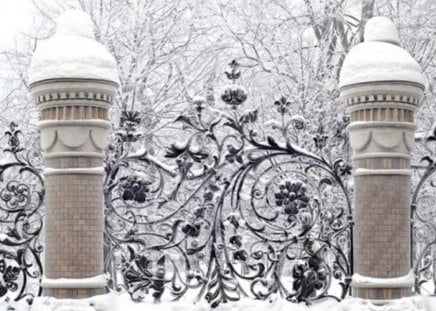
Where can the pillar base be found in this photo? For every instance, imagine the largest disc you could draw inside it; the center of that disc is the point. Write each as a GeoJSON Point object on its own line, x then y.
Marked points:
{"type": "Point", "coordinates": [75, 288]}
{"type": "Point", "coordinates": [73, 293]}
{"type": "Point", "coordinates": [382, 290]}
{"type": "Point", "coordinates": [380, 296]}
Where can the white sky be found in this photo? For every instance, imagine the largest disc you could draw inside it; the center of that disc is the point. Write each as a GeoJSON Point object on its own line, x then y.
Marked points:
{"type": "Point", "coordinates": [15, 17]}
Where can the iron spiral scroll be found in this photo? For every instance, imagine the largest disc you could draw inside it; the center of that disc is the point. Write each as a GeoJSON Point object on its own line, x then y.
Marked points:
{"type": "Point", "coordinates": [21, 220]}
{"type": "Point", "coordinates": [235, 207]}
{"type": "Point", "coordinates": [423, 214]}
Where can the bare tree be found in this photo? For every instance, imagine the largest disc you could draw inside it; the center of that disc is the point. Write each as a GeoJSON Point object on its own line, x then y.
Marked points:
{"type": "Point", "coordinates": [169, 51]}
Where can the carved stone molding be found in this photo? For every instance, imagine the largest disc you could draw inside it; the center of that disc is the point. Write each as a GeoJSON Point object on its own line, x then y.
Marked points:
{"type": "Point", "coordinates": [381, 139]}
{"type": "Point", "coordinates": [382, 93]}
{"type": "Point", "coordinates": [63, 154]}
{"type": "Point", "coordinates": [382, 160]}
{"type": "Point", "coordinates": [68, 171]}
{"type": "Point", "coordinates": [74, 136]}
{"type": "Point", "coordinates": [371, 172]}
{"type": "Point", "coordinates": [404, 156]}
{"type": "Point", "coordinates": [381, 98]}
{"type": "Point", "coordinates": [73, 112]}
{"type": "Point", "coordinates": [67, 92]}
{"type": "Point", "coordinates": [381, 114]}
{"type": "Point", "coordinates": [78, 95]}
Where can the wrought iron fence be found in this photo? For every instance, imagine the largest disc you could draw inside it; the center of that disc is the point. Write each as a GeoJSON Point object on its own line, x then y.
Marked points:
{"type": "Point", "coordinates": [423, 208]}
{"type": "Point", "coordinates": [238, 208]}
{"type": "Point", "coordinates": [21, 220]}
{"type": "Point", "coordinates": [235, 206]}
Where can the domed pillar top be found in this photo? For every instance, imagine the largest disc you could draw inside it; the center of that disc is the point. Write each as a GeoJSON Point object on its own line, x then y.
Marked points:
{"type": "Point", "coordinates": [72, 53]}
{"type": "Point", "coordinates": [380, 58]}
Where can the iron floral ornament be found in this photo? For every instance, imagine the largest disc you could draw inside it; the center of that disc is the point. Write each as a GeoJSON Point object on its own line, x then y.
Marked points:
{"type": "Point", "coordinates": [10, 277]}
{"type": "Point", "coordinates": [234, 94]}
{"type": "Point", "coordinates": [292, 196]}
{"type": "Point", "coordinates": [233, 208]}
{"type": "Point", "coordinates": [423, 215]}
{"type": "Point", "coordinates": [21, 200]}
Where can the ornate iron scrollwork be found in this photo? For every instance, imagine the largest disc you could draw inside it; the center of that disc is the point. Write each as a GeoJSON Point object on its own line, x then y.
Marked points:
{"type": "Point", "coordinates": [423, 216]}
{"type": "Point", "coordinates": [21, 201]}
{"type": "Point", "coordinates": [235, 207]}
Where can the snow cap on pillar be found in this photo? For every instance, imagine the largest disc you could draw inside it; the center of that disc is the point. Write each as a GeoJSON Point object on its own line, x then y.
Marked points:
{"type": "Point", "coordinates": [72, 52]}
{"type": "Point", "coordinates": [380, 57]}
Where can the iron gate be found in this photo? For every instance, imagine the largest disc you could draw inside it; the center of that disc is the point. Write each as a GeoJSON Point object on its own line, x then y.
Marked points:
{"type": "Point", "coordinates": [238, 208]}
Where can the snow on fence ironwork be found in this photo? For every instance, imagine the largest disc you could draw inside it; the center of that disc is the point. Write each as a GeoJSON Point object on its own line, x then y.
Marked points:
{"type": "Point", "coordinates": [21, 220]}
{"type": "Point", "coordinates": [232, 208]}
{"type": "Point", "coordinates": [423, 214]}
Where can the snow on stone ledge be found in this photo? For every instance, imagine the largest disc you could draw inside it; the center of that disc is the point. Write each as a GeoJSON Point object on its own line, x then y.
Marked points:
{"type": "Point", "coordinates": [91, 282]}
{"type": "Point", "coordinates": [361, 281]}
{"type": "Point", "coordinates": [379, 57]}
{"type": "Point", "coordinates": [72, 52]}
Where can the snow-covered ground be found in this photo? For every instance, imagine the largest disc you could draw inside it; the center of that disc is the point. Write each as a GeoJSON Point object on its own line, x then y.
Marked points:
{"type": "Point", "coordinates": [122, 302]}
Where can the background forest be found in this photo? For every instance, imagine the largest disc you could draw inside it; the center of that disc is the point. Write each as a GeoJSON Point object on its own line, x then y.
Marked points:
{"type": "Point", "coordinates": [169, 51]}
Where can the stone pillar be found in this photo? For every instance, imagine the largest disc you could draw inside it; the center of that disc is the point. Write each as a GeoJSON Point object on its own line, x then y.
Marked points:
{"type": "Point", "coordinates": [381, 85]}
{"type": "Point", "coordinates": [73, 81]}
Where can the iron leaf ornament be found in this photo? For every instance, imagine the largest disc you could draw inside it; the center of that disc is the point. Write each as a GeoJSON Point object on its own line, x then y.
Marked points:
{"type": "Point", "coordinates": [21, 222]}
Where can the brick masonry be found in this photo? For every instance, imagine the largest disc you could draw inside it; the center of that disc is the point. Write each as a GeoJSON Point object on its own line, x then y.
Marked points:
{"type": "Point", "coordinates": [63, 293]}
{"type": "Point", "coordinates": [74, 221]}
{"type": "Point", "coordinates": [382, 293]}
{"type": "Point", "coordinates": [382, 229]}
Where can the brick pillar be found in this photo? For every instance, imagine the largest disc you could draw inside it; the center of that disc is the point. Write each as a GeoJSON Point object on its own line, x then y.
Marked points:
{"type": "Point", "coordinates": [73, 119]}
{"type": "Point", "coordinates": [381, 85]}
